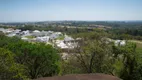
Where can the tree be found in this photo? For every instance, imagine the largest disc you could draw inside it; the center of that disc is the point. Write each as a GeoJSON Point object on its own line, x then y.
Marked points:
{"type": "Point", "coordinates": [93, 54]}
{"type": "Point", "coordinates": [9, 69]}
{"type": "Point", "coordinates": [128, 57]}
{"type": "Point", "coordinates": [40, 60]}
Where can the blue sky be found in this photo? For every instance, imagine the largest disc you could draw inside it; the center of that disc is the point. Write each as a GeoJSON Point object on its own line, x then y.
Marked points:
{"type": "Point", "coordinates": [50, 10]}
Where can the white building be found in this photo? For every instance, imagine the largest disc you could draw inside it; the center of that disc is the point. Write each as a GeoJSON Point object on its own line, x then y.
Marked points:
{"type": "Point", "coordinates": [2, 30]}
{"type": "Point", "coordinates": [68, 39]}
{"type": "Point", "coordinates": [55, 35]}
{"type": "Point", "coordinates": [17, 31]}
{"type": "Point", "coordinates": [61, 44]}
{"type": "Point", "coordinates": [43, 39]}
{"type": "Point", "coordinates": [9, 30]}
{"type": "Point", "coordinates": [68, 45]}
{"type": "Point", "coordinates": [120, 42]}
{"type": "Point", "coordinates": [11, 34]}
{"type": "Point", "coordinates": [25, 33]}
{"type": "Point", "coordinates": [36, 31]}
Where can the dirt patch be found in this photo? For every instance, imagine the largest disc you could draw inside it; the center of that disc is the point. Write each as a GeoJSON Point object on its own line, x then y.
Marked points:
{"type": "Point", "coordinates": [82, 77]}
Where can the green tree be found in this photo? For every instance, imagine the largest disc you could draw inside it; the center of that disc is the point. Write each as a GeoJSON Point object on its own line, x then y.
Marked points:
{"type": "Point", "coordinates": [40, 60]}
{"type": "Point", "coordinates": [93, 54]}
{"type": "Point", "coordinates": [128, 58]}
{"type": "Point", "coordinates": [9, 69]}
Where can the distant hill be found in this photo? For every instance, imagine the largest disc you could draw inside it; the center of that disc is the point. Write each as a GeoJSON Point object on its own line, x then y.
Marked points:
{"type": "Point", "coordinates": [79, 23]}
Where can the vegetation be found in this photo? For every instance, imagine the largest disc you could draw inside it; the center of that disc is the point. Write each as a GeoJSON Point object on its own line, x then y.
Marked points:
{"type": "Point", "coordinates": [20, 60]}
{"type": "Point", "coordinates": [30, 37]}
{"type": "Point", "coordinates": [126, 33]}
{"type": "Point", "coordinates": [39, 60]}
{"type": "Point", "coordinates": [9, 69]}
{"type": "Point", "coordinates": [94, 55]}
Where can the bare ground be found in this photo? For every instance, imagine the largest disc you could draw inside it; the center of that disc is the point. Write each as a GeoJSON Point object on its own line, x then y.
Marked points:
{"type": "Point", "coordinates": [82, 77]}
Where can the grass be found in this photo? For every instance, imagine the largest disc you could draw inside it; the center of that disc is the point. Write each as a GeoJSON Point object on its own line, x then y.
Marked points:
{"type": "Point", "coordinates": [139, 45]}
{"type": "Point", "coordinates": [61, 38]}
{"type": "Point", "coordinates": [138, 50]}
{"type": "Point", "coordinates": [30, 37]}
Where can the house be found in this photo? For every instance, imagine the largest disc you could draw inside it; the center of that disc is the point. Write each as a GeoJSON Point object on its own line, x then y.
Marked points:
{"type": "Point", "coordinates": [43, 39]}
{"type": "Point", "coordinates": [45, 33]}
{"type": "Point", "coordinates": [9, 30]}
{"type": "Point", "coordinates": [11, 34]}
{"type": "Point", "coordinates": [116, 42]}
{"type": "Point", "coordinates": [68, 39]}
{"type": "Point", "coordinates": [25, 33]}
{"type": "Point", "coordinates": [120, 42]}
{"type": "Point", "coordinates": [36, 31]}
{"type": "Point", "coordinates": [71, 45]}
{"type": "Point", "coordinates": [2, 30]}
{"type": "Point", "coordinates": [61, 44]}
{"type": "Point", "coordinates": [123, 43]}
{"type": "Point", "coordinates": [51, 32]}
{"type": "Point", "coordinates": [17, 31]}
{"type": "Point", "coordinates": [36, 34]}
{"type": "Point", "coordinates": [58, 33]}
{"type": "Point", "coordinates": [54, 36]}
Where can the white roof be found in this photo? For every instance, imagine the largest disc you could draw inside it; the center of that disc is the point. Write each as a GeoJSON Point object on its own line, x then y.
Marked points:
{"type": "Point", "coordinates": [26, 32]}
{"type": "Point", "coordinates": [120, 42]}
{"type": "Point", "coordinates": [43, 39]}
{"type": "Point", "coordinates": [67, 38]}
{"type": "Point", "coordinates": [11, 35]}
{"type": "Point", "coordinates": [50, 31]}
{"type": "Point", "coordinates": [58, 33]}
{"type": "Point", "coordinates": [3, 30]}
{"type": "Point", "coordinates": [9, 31]}
{"type": "Point", "coordinates": [62, 45]}
{"type": "Point", "coordinates": [53, 36]}
{"type": "Point", "coordinates": [36, 31]}
{"type": "Point", "coordinates": [24, 38]}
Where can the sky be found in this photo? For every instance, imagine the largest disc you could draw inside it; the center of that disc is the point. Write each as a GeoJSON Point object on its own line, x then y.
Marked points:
{"type": "Point", "coordinates": [55, 10]}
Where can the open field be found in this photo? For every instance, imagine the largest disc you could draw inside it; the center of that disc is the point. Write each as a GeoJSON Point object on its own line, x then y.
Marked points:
{"type": "Point", "coordinates": [139, 45]}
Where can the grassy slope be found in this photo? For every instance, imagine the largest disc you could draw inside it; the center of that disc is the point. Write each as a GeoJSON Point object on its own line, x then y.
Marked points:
{"type": "Point", "coordinates": [139, 45]}
{"type": "Point", "coordinates": [138, 49]}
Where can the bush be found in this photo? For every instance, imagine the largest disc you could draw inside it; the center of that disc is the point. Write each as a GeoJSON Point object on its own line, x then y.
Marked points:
{"type": "Point", "coordinates": [9, 69]}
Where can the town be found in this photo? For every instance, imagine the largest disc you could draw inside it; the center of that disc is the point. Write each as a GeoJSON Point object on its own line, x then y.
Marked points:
{"type": "Point", "coordinates": [61, 40]}
{"type": "Point", "coordinates": [56, 39]}
{"type": "Point", "coordinates": [70, 40]}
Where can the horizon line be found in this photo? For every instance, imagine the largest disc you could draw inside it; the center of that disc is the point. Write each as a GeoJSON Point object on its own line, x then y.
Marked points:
{"type": "Point", "coordinates": [69, 20]}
